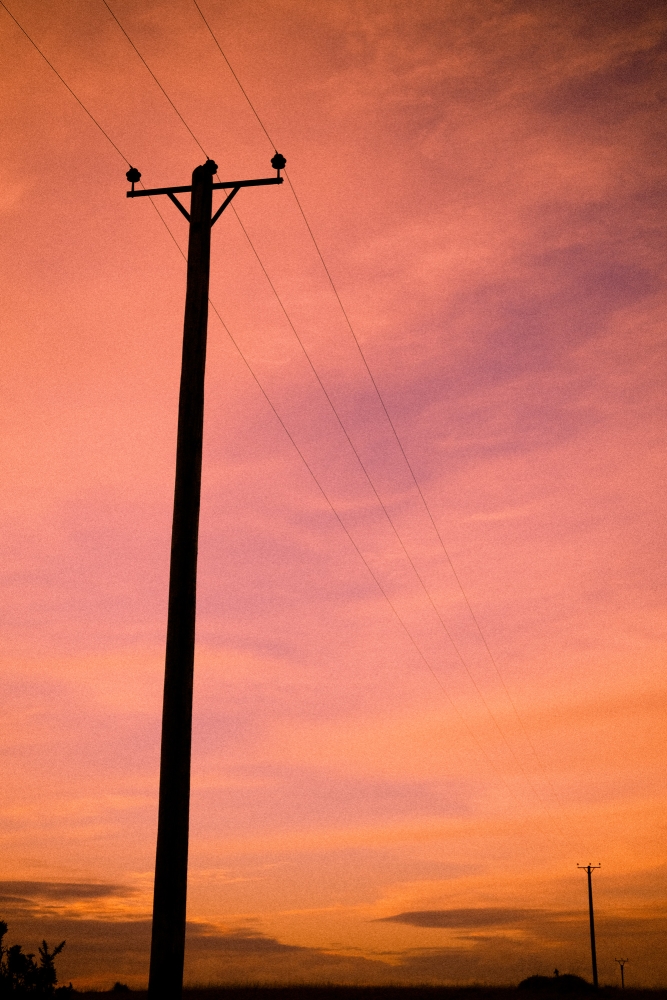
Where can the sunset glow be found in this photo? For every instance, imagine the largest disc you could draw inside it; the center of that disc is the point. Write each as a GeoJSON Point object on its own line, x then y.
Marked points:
{"type": "Point", "coordinates": [393, 780]}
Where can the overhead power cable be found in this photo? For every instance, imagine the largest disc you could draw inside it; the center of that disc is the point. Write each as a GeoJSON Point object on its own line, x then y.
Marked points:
{"type": "Point", "coordinates": [426, 506]}
{"type": "Point", "coordinates": [389, 419]}
{"type": "Point", "coordinates": [231, 70]}
{"type": "Point", "coordinates": [155, 78]}
{"type": "Point", "coordinates": [66, 85]}
{"type": "Point", "coordinates": [321, 489]}
{"type": "Point", "coordinates": [356, 547]}
{"type": "Point", "coordinates": [394, 529]}
{"type": "Point", "coordinates": [337, 416]}
{"type": "Point", "coordinates": [397, 438]}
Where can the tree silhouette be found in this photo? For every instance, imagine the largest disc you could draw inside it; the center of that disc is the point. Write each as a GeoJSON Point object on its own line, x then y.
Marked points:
{"type": "Point", "coordinates": [21, 975]}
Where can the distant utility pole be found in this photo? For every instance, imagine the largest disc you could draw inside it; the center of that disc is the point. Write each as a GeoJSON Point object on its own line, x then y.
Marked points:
{"type": "Point", "coordinates": [622, 962]}
{"type": "Point", "coordinates": [171, 862]}
{"type": "Point", "coordinates": [589, 870]}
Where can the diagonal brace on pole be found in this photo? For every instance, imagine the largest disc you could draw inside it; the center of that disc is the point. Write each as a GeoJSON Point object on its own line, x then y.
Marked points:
{"type": "Point", "coordinates": [172, 196]}
{"type": "Point", "coordinates": [224, 205]}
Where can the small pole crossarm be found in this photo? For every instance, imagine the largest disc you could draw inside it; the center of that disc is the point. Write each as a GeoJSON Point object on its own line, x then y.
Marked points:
{"type": "Point", "coordinates": [178, 205]}
{"type": "Point", "coordinates": [224, 205]}
{"type": "Point", "coordinates": [259, 182]}
{"type": "Point", "coordinates": [147, 193]}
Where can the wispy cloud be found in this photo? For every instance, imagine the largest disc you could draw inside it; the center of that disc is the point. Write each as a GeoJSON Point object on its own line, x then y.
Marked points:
{"type": "Point", "coordinates": [60, 891]}
{"type": "Point", "coordinates": [482, 917]}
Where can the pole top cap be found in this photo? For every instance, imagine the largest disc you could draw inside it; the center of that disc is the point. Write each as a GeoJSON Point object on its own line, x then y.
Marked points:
{"type": "Point", "coordinates": [133, 175]}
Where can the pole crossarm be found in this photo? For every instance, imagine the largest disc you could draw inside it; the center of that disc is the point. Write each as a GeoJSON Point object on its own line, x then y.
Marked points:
{"type": "Point", "coordinates": [133, 175]}
{"type": "Point", "coordinates": [225, 185]}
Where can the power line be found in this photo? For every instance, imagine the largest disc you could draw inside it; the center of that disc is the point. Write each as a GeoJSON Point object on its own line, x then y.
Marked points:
{"type": "Point", "coordinates": [388, 417]}
{"type": "Point", "coordinates": [231, 70]}
{"type": "Point", "coordinates": [354, 544]}
{"type": "Point", "coordinates": [393, 526]}
{"type": "Point", "coordinates": [155, 78]}
{"type": "Point", "coordinates": [301, 344]}
{"type": "Point", "coordinates": [337, 416]}
{"type": "Point", "coordinates": [414, 479]}
{"type": "Point", "coordinates": [66, 85]}
{"type": "Point", "coordinates": [394, 610]}
{"type": "Point", "coordinates": [340, 303]}
{"type": "Point", "coordinates": [168, 852]}
{"type": "Point", "coordinates": [400, 445]}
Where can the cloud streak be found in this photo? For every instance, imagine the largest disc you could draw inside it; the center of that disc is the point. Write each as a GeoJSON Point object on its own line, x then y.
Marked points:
{"type": "Point", "coordinates": [482, 917]}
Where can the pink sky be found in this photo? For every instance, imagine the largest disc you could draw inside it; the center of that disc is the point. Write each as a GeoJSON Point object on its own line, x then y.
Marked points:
{"type": "Point", "coordinates": [486, 183]}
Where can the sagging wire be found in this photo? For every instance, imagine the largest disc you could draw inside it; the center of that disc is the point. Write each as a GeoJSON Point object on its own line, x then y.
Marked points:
{"type": "Point", "coordinates": [390, 421]}
{"type": "Point", "coordinates": [290, 436]}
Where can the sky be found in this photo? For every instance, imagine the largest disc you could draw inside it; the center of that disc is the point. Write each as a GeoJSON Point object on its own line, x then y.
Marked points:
{"type": "Point", "coordinates": [417, 709]}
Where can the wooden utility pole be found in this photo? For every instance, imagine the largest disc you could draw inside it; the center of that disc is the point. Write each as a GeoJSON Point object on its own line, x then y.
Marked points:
{"type": "Point", "coordinates": [171, 862]}
{"type": "Point", "coordinates": [589, 871]}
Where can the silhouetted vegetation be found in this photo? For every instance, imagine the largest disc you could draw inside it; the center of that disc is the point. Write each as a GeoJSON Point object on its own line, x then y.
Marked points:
{"type": "Point", "coordinates": [556, 985]}
{"type": "Point", "coordinates": [331, 992]}
{"type": "Point", "coordinates": [416, 992]}
{"type": "Point", "coordinates": [22, 976]}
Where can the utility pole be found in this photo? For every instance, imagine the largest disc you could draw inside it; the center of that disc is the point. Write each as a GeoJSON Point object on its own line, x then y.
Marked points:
{"type": "Point", "coordinates": [589, 870]}
{"type": "Point", "coordinates": [622, 962]}
{"type": "Point", "coordinates": [171, 861]}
